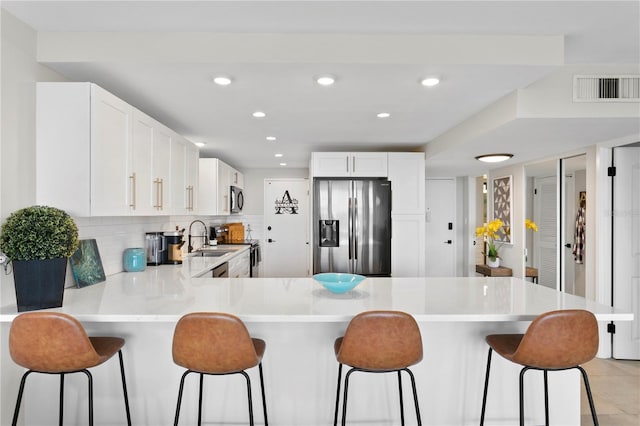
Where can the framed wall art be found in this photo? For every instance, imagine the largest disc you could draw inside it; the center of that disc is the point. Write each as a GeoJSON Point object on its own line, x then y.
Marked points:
{"type": "Point", "coordinates": [502, 207]}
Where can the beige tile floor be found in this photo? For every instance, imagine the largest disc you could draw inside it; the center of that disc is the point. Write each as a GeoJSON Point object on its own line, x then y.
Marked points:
{"type": "Point", "coordinates": [615, 386]}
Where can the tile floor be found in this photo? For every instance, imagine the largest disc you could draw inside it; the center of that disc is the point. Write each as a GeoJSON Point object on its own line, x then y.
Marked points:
{"type": "Point", "coordinates": [616, 391]}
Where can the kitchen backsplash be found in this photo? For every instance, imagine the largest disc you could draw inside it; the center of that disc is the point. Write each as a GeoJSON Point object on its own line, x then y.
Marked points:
{"type": "Point", "coordinates": [114, 234]}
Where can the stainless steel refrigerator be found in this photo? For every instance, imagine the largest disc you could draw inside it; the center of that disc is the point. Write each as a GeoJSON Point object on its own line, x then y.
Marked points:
{"type": "Point", "coordinates": [352, 226]}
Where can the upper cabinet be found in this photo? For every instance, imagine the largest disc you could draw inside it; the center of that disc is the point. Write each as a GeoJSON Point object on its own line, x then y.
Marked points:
{"type": "Point", "coordinates": [215, 180]}
{"type": "Point", "coordinates": [349, 164]}
{"type": "Point", "coordinates": [407, 176]}
{"type": "Point", "coordinates": [96, 155]}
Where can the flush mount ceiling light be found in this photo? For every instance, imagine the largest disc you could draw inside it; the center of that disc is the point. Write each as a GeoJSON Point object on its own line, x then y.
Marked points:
{"type": "Point", "coordinates": [278, 155]}
{"type": "Point", "coordinates": [259, 114]}
{"type": "Point", "coordinates": [283, 164]}
{"type": "Point", "coordinates": [493, 158]}
{"type": "Point", "coordinates": [325, 80]}
{"type": "Point", "coordinates": [383, 115]}
{"type": "Point", "coordinates": [199, 144]}
{"type": "Point", "coordinates": [222, 80]}
{"type": "Point", "coordinates": [430, 81]}
{"type": "Point", "coordinates": [270, 138]}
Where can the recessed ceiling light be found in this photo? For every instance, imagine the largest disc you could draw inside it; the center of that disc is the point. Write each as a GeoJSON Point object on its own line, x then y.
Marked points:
{"type": "Point", "coordinates": [383, 115]}
{"type": "Point", "coordinates": [430, 81]}
{"type": "Point", "coordinates": [259, 114]}
{"type": "Point", "coordinates": [283, 164]}
{"type": "Point", "coordinates": [222, 80]}
{"type": "Point", "coordinates": [493, 158]}
{"type": "Point", "coordinates": [278, 155]}
{"type": "Point", "coordinates": [325, 80]}
{"type": "Point", "coordinates": [199, 144]}
{"type": "Point", "coordinates": [270, 138]}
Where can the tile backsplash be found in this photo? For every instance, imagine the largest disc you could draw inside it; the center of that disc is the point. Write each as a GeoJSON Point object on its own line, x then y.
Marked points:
{"type": "Point", "coordinates": [114, 234]}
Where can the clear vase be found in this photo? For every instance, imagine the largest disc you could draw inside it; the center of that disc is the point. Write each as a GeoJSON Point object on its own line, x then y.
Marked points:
{"type": "Point", "coordinates": [493, 263]}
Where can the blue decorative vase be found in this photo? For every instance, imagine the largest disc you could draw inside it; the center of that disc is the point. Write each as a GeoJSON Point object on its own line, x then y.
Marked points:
{"type": "Point", "coordinates": [135, 259]}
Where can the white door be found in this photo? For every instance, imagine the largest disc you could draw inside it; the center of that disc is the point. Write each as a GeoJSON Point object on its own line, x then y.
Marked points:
{"type": "Point", "coordinates": [545, 214]}
{"type": "Point", "coordinates": [286, 228]}
{"type": "Point", "coordinates": [440, 204]}
{"type": "Point", "coordinates": [626, 237]}
{"type": "Point", "coordinates": [569, 210]}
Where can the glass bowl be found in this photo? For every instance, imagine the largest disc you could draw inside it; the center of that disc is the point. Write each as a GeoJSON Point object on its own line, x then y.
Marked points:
{"type": "Point", "coordinates": [338, 282]}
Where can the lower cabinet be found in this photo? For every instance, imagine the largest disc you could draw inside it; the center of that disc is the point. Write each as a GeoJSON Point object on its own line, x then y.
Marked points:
{"type": "Point", "coordinates": [239, 266]}
{"type": "Point", "coordinates": [407, 245]}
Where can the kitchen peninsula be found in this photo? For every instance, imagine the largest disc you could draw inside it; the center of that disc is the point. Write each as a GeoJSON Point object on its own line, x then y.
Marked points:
{"type": "Point", "coordinates": [300, 320]}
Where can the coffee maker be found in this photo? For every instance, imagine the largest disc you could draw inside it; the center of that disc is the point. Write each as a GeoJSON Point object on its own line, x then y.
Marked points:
{"type": "Point", "coordinates": [155, 248]}
{"type": "Point", "coordinates": [174, 246]}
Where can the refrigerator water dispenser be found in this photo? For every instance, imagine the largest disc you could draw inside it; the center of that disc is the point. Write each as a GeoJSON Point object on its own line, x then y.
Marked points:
{"type": "Point", "coordinates": [329, 233]}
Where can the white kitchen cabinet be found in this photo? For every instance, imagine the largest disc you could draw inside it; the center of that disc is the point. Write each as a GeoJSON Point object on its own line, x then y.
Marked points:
{"type": "Point", "coordinates": [407, 245]}
{"type": "Point", "coordinates": [349, 164]}
{"type": "Point", "coordinates": [239, 266]}
{"type": "Point", "coordinates": [161, 169]}
{"type": "Point", "coordinates": [140, 172]}
{"type": "Point", "coordinates": [83, 143]}
{"type": "Point", "coordinates": [191, 175]}
{"type": "Point", "coordinates": [184, 172]}
{"type": "Point", "coordinates": [407, 176]}
{"type": "Point", "coordinates": [214, 182]}
{"type": "Point", "coordinates": [236, 178]}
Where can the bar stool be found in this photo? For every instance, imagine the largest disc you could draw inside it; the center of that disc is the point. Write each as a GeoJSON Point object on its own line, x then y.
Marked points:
{"type": "Point", "coordinates": [379, 342]}
{"type": "Point", "coordinates": [555, 341]}
{"type": "Point", "coordinates": [216, 344]}
{"type": "Point", "coordinates": [56, 343]}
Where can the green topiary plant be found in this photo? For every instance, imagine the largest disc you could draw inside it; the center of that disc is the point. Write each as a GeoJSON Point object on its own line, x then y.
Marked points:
{"type": "Point", "coordinates": [38, 233]}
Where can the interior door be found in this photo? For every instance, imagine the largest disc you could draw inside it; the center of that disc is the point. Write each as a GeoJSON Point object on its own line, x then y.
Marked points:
{"type": "Point", "coordinates": [545, 215]}
{"type": "Point", "coordinates": [286, 222]}
{"type": "Point", "coordinates": [626, 237]}
{"type": "Point", "coordinates": [440, 227]}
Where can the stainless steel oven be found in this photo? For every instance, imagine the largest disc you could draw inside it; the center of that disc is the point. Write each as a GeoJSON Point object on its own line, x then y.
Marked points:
{"type": "Point", "coordinates": [237, 199]}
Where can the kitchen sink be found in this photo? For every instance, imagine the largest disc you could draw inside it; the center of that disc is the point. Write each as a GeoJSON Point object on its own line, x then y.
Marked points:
{"type": "Point", "coordinates": [211, 252]}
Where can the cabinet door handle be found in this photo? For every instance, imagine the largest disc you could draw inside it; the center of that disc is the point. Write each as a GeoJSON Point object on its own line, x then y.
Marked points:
{"type": "Point", "coordinates": [226, 203]}
{"type": "Point", "coordinates": [353, 170]}
{"type": "Point", "coordinates": [156, 183]}
{"type": "Point", "coordinates": [132, 179]}
{"type": "Point", "coordinates": [161, 194]}
{"type": "Point", "coordinates": [347, 158]}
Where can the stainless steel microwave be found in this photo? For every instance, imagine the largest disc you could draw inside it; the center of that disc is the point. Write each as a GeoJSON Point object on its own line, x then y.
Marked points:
{"type": "Point", "coordinates": [237, 199]}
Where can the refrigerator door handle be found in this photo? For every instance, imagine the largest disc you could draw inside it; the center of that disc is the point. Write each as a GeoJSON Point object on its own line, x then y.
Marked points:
{"type": "Point", "coordinates": [350, 228]}
{"type": "Point", "coordinates": [356, 229]}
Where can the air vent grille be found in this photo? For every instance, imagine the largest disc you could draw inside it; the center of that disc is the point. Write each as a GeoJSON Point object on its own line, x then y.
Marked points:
{"type": "Point", "coordinates": [589, 88]}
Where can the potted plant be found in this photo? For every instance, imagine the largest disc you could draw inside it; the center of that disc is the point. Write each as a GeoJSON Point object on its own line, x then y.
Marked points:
{"type": "Point", "coordinates": [38, 240]}
{"type": "Point", "coordinates": [490, 232]}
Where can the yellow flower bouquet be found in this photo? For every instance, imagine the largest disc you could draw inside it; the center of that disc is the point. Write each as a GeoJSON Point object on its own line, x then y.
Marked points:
{"type": "Point", "coordinates": [490, 232]}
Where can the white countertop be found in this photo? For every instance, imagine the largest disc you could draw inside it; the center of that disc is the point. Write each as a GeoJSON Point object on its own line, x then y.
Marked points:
{"type": "Point", "coordinates": [164, 293]}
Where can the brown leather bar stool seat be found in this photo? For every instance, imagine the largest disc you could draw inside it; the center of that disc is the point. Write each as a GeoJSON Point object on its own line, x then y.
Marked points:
{"type": "Point", "coordinates": [56, 343]}
{"type": "Point", "coordinates": [557, 340]}
{"type": "Point", "coordinates": [210, 343]}
{"type": "Point", "coordinates": [379, 342]}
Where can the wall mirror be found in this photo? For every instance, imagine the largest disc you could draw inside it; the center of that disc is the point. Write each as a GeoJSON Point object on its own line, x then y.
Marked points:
{"type": "Point", "coordinates": [541, 206]}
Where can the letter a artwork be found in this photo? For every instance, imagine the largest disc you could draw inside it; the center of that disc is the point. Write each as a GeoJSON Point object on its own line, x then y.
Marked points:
{"type": "Point", "coordinates": [287, 205]}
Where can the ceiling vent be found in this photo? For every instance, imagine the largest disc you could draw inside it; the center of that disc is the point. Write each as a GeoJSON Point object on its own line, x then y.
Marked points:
{"type": "Point", "coordinates": [619, 88]}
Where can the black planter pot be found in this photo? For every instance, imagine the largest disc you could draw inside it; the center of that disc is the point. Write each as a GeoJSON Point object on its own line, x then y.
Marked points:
{"type": "Point", "coordinates": [39, 283]}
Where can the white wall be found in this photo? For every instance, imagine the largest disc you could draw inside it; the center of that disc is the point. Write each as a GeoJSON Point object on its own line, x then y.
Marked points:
{"type": "Point", "coordinates": [512, 255]}
{"type": "Point", "coordinates": [254, 185]}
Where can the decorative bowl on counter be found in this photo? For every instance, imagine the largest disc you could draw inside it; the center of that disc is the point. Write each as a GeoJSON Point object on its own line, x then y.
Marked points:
{"type": "Point", "coordinates": [338, 282]}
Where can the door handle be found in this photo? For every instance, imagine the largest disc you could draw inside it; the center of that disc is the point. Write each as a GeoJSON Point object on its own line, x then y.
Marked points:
{"type": "Point", "coordinates": [448, 242]}
{"type": "Point", "coordinates": [567, 245]}
{"type": "Point", "coordinates": [270, 240]}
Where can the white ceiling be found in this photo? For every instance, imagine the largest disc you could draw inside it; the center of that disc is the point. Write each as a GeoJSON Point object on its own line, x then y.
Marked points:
{"type": "Point", "coordinates": [377, 49]}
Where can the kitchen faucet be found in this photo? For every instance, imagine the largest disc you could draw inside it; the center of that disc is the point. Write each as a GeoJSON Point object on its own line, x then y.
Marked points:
{"type": "Point", "coordinates": [204, 236]}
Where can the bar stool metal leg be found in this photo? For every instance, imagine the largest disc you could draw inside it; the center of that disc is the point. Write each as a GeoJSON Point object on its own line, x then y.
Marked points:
{"type": "Point", "coordinates": [486, 387]}
{"type": "Point", "coordinates": [61, 408]}
{"type": "Point", "coordinates": [546, 399]}
{"type": "Point", "coordinates": [19, 401]}
{"type": "Point", "coordinates": [415, 396]}
{"type": "Point", "coordinates": [264, 399]}
{"type": "Point", "coordinates": [589, 396]}
{"type": "Point", "coordinates": [246, 376]}
{"type": "Point", "coordinates": [200, 385]}
{"type": "Point", "coordinates": [175, 421]}
{"type": "Point", "coordinates": [90, 385]}
{"type": "Point", "coordinates": [335, 417]}
{"type": "Point", "coordinates": [124, 389]}
{"type": "Point", "coordinates": [401, 402]}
